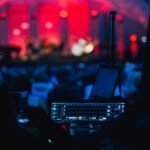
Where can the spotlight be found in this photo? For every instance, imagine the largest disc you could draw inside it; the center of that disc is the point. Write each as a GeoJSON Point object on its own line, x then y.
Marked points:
{"type": "Point", "coordinates": [89, 48]}
{"type": "Point", "coordinates": [133, 38]}
{"type": "Point", "coordinates": [119, 18]}
{"type": "Point", "coordinates": [3, 15]}
{"type": "Point", "coordinates": [144, 39]}
{"type": "Point", "coordinates": [77, 50]}
{"type": "Point", "coordinates": [49, 25]}
{"type": "Point", "coordinates": [63, 14]}
{"type": "Point", "coordinates": [24, 25]}
{"type": "Point", "coordinates": [82, 42]}
{"type": "Point", "coordinates": [94, 13]}
{"type": "Point", "coordinates": [16, 32]}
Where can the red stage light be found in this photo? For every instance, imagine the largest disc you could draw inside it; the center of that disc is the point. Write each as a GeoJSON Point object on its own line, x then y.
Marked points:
{"type": "Point", "coordinates": [94, 13]}
{"type": "Point", "coordinates": [24, 25]}
{"type": "Point", "coordinates": [119, 18]}
{"type": "Point", "coordinates": [3, 15]}
{"type": "Point", "coordinates": [134, 49]}
{"type": "Point", "coordinates": [63, 14]}
{"type": "Point", "coordinates": [16, 32]}
{"type": "Point", "coordinates": [133, 38]}
{"type": "Point", "coordinates": [105, 9]}
{"type": "Point", "coordinates": [49, 25]}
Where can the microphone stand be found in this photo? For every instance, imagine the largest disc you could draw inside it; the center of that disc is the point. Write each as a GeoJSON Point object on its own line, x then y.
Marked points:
{"type": "Point", "coordinates": [112, 35]}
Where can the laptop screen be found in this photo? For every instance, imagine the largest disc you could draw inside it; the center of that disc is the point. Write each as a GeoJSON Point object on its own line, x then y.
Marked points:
{"type": "Point", "coordinates": [105, 82]}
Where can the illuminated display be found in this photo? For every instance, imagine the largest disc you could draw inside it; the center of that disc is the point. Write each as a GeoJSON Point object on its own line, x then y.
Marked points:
{"type": "Point", "coordinates": [72, 112]}
{"type": "Point", "coordinates": [106, 80]}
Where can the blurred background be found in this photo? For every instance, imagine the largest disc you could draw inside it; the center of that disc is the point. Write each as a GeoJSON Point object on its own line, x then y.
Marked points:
{"type": "Point", "coordinates": [62, 42]}
{"type": "Point", "coordinates": [70, 27]}
{"type": "Point", "coordinates": [51, 50]}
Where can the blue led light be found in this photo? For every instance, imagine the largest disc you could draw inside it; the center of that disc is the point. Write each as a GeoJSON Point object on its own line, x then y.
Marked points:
{"type": "Point", "coordinates": [23, 120]}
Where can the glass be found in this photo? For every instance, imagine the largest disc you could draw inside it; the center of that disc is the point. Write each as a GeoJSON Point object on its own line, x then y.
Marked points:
{"type": "Point", "coordinates": [22, 116]}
